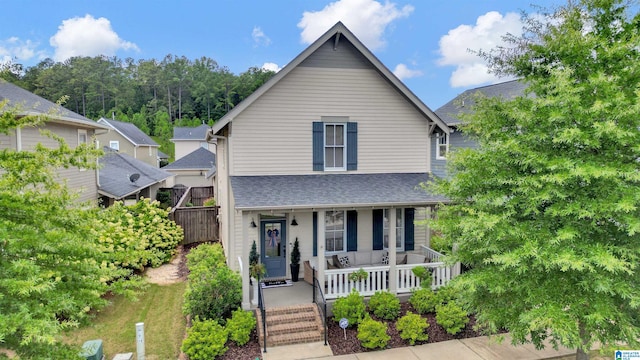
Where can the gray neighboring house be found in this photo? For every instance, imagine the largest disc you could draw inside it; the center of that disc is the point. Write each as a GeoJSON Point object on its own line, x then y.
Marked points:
{"type": "Point", "coordinates": [123, 178]}
{"type": "Point", "coordinates": [129, 139]}
{"type": "Point", "coordinates": [195, 169]}
{"type": "Point", "coordinates": [74, 128]}
{"type": "Point", "coordinates": [450, 113]}
{"type": "Point", "coordinates": [189, 139]}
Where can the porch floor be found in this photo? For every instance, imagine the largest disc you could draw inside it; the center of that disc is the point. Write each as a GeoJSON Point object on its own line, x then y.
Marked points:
{"type": "Point", "coordinates": [298, 293]}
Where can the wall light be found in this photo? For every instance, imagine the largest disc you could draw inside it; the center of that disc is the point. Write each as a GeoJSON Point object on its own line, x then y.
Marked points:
{"type": "Point", "coordinates": [294, 222]}
{"type": "Point", "coordinates": [253, 224]}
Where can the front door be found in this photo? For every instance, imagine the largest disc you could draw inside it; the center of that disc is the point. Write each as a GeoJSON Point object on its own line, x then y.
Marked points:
{"type": "Point", "coordinates": [273, 245]}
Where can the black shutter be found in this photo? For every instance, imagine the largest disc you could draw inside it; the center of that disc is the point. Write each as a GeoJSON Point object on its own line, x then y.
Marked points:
{"type": "Point", "coordinates": [315, 233]}
{"type": "Point", "coordinates": [318, 146]}
{"type": "Point", "coordinates": [352, 230]}
{"type": "Point", "coordinates": [378, 229]}
{"type": "Point", "coordinates": [352, 146]}
{"type": "Point", "coordinates": [409, 216]}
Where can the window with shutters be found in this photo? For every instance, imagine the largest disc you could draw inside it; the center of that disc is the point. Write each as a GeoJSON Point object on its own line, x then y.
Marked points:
{"type": "Point", "coordinates": [334, 231]}
{"type": "Point", "coordinates": [334, 147]}
{"type": "Point", "coordinates": [335, 144]}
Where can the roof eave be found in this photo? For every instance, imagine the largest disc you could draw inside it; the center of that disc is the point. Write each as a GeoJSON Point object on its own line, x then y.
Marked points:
{"type": "Point", "coordinates": [342, 206]}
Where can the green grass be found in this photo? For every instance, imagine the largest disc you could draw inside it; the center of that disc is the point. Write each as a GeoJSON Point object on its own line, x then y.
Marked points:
{"type": "Point", "coordinates": [159, 307]}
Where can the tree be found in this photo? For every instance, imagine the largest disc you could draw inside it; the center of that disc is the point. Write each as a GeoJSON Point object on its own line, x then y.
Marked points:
{"type": "Point", "coordinates": [546, 212]}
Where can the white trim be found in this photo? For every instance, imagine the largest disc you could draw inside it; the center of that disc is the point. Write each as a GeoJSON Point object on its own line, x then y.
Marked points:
{"type": "Point", "coordinates": [440, 136]}
{"type": "Point", "coordinates": [334, 146]}
{"type": "Point", "coordinates": [116, 143]}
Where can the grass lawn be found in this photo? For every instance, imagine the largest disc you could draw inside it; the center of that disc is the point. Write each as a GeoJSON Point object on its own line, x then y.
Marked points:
{"type": "Point", "coordinates": [159, 307]}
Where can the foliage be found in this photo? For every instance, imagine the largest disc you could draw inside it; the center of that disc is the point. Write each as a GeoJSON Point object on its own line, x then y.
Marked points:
{"type": "Point", "coordinates": [295, 253]}
{"type": "Point", "coordinates": [351, 307]}
{"type": "Point", "coordinates": [384, 305]}
{"type": "Point", "coordinates": [213, 290]}
{"type": "Point", "coordinates": [164, 198]}
{"type": "Point", "coordinates": [240, 326]}
{"type": "Point", "coordinates": [373, 334]}
{"type": "Point", "coordinates": [441, 244]}
{"type": "Point", "coordinates": [205, 340]}
{"type": "Point", "coordinates": [138, 235]}
{"type": "Point", "coordinates": [256, 269]}
{"type": "Point", "coordinates": [413, 327]}
{"type": "Point", "coordinates": [451, 317]}
{"type": "Point", "coordinates": [254, 257]}
{"type": "Point", "coordinates": [447, 293]}
{"type": "Point", "coordinates": [358, 275]}
{"type": "Point", "coordinates": [424, 300]}
{"type": "Point", "coordinates": [209, 202]}
{"type": "Point", "coordinates": [424, 274]}
{"type": "Point", "coordinates": [546, 211]}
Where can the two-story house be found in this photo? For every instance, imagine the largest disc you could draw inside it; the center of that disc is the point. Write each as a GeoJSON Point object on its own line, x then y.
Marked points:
{"type": "Point", "coordinates": [75, 129]}
{"type": "Point", "coordinates": [128, 139]}
{"type": "Point", "coordinates": [189, 139]}
{"type": "Point", "coordinates": [331, 151]}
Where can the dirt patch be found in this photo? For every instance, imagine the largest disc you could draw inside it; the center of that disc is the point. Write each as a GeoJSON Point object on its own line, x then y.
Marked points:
{"type": "Point", "coordinates": [173, 272]}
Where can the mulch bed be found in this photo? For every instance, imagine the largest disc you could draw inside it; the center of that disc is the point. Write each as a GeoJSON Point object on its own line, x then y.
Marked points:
{"type": "Point", "coordinates": [250, 351]}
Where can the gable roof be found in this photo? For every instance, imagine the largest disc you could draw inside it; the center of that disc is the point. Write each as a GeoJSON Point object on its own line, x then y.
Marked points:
{"type": "Point", "coordinates": [464, 102]}
{"type": "Point", "coordinates": [199, 159]}
{"type": "Point", "coordinates": [130, 132]}
{"type": "Point", "coordinates": [29, 103]}
{"type": "Point", "coordinates": [336, 31]}
{"type": "Point", "coordinates": [190, 133]}
{"type": "Point", "coordinates": [115, 170]}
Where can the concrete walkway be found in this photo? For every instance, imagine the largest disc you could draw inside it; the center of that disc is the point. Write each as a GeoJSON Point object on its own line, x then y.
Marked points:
{"type": "Point", "coordinates": [480, 348]}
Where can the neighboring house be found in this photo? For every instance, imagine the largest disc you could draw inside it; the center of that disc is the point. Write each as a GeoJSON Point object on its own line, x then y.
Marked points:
{"type": "Point", "coordinates": [73, 128]}
{"type": "Point", "coordinates": [330, 151]}
{"type": "Point", "coordinates": [451, 112]}
{"type": "Point", "coordinates": [188, 139]}
{"type": "Point", "coordinates": [163, 159]}
{"type": "Point", "coordinates": [128, 139]}
{"type": "Point", "coordinates": [123, 178]}
{"type": "Point", "coordinates": [195, 169]}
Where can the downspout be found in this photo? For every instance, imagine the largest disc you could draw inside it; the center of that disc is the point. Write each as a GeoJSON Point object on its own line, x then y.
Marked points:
{"type": "Point", "coordinates": [95, 133]}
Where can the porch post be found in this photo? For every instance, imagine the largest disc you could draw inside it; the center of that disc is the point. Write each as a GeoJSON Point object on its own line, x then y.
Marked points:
{"type": "Point", "coordinates": [246, 246]}
{"type": "Point", "coordinates": [320, 248]}
{"type": "Point", "coordinates": [393, 286]}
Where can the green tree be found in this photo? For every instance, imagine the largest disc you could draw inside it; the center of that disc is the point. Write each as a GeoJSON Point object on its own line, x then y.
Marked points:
{"type": "Point", "coordinates": [546, 211]}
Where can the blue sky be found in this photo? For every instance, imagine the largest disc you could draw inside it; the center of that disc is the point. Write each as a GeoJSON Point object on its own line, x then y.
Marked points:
{"type": "Point", "coordinates": [424, 42]}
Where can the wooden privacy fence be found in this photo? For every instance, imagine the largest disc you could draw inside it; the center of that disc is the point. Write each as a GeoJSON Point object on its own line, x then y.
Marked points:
{"type": "Point", "coordinates": [200, 223]}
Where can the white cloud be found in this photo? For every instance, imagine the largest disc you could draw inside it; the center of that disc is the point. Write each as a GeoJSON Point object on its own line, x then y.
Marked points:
{"type": "Point", "coordinates": [271, 66]}
{"type": "Point", "coordinates": [87, 36]}
{"type": "Point", "coordinates": [15, 50]}
{"type": "Point", "coordinates": [403, 72]}
{"type": "Point", "coordinates": [259, 38]}
{"type": "Point", "coordinates": [367, 19]}
{"type": "Point", "coordinates": [485, 35]}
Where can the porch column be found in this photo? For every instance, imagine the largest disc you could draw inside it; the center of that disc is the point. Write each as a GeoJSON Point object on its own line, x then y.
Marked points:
{"type": "Point", "coordinates": [393, 286]}
{"type": "Point", "coordinates": [320, 248]}
{"type": "Point", "coordinates": [244, 256]}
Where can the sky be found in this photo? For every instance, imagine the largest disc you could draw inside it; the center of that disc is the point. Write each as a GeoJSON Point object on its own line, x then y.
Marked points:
{"type": "Point", "coordinates": [426, 43]}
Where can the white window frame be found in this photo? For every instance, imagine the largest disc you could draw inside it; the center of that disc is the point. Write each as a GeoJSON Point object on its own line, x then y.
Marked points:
{"type": "Point", "coordinates": [334, 146]}
{"type": "Point", "coordinates": [116, 143]}
{"type": "Point", "coordinates": [83, 133]}
{"type": "Point", "coordinates": [399, 228]}
{"type": "Point", "coordinates": [333, 232]}
{"type": "Point", "coordinates": [442, 141]}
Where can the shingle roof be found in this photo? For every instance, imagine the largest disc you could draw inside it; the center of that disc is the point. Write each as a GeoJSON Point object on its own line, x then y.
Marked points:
{"type": "Point", "coordinates": [199, 159]}
{"type": "Point", "coordinates": [29, 103]}
{"type": "Point", "coordinates": [190, 133]}
{"type": "Point", "coordinates": [464, 102]}
{"type": "Point", "coordinates": [130, 131]}
{"type": "Point", "coordinates": [331, 191]}
{"type": "Point", "coordinates": [162, 155]}
{"type": "Point", "coordinates": [115, 170]}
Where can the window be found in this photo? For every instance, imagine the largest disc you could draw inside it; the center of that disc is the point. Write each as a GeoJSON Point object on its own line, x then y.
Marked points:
{"type": "Point", "coordinates": [204, 144]}
{"type": "Point", "coordinates": [114, 144]}
{"type": "Point", "coordinates": [442, 146]}
{"type": "Point", "coordinates": [334, 146]}
{"type": "Point", "coordinates": [82, 137]}
{"type": "Point", "coordinates": [399, 229]}
{"type": "Point", "coordinates": [334, 231]}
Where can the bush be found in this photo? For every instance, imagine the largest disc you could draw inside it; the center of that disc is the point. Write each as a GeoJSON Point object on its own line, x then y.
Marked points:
{"type": "Point", "coordinates": [373, 334]}
{"type": "Point", "coordinates": [424, 300]}
{"type": "Point", "coordinates": [205, 339]}
{"type": "Point", "coordinates": [204, 258]}
{"type": "Point", "coordinates": [384, 305]}
{"type": "Point", "coordinates": [351, 307]}
{"type": "Point", "coordinates": [446, 294]}
{"type": "Point", "coordinates": [451, 317]}
{"type": "Point", "coordinates": [412, 327]}
{"type": "Point", "coordinates": [240, 326]}
{"type": "Point", "coordinates": [164, 198]}
{"type": "Point", "coordinates": [209, 202]}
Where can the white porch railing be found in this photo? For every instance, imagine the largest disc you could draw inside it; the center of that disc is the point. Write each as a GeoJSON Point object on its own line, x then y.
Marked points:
{"type": "Point", "coordinates": [435, 256]}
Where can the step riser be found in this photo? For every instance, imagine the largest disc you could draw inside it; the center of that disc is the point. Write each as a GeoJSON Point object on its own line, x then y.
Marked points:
{"type": "Point", "coordinates": [291, 325]}
{"type": "Point", "coordinates": [290, 320]}
{"type": "Point", "coordinates": [291, 310]}
{"type": "Point", "coordinates": [291, 328]}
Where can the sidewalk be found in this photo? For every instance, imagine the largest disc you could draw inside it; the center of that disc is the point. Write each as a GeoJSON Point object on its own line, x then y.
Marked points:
{"type": "Point", "coordinates": [480, 348]}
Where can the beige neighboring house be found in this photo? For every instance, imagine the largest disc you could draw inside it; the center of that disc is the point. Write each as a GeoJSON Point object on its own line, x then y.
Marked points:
{"type": "Point", "coordinates": [128, 139]}
{"type": "Point", "coordinates": [195, 169]}
{"type": "Point", "coordinates": [331, 151]}
{"type": "Point", "coordinates": [72, 127]}
{"type": "Point", "coordinates": [189, 139]}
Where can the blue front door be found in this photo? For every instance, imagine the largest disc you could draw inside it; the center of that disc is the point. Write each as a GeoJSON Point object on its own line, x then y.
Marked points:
{"type": "Point", "coordinates": [273, 245]}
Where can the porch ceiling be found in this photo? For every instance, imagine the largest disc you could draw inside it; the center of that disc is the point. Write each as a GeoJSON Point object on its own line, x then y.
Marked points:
{"type": "Point", "coordinates": [331, 191]}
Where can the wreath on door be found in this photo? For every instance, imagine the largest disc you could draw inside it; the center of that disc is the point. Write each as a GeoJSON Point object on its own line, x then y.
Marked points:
{"type": "Point", "coordinates": [273, 237]}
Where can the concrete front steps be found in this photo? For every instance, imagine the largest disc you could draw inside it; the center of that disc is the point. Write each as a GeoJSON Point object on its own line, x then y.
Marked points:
{"type": "Point", "coordinates": [287, 325]}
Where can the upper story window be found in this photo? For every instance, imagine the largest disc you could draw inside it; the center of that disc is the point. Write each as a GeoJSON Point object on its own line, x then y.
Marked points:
{"type": "Point", "coordinates": [442, 146]}
{"type": "Point", "coordinates": [334, 147]}
{"type": "Point", "coordinates": [114, 144]}
{"type": "Point", "coordinates": [399, 229]}
{"type": "Point", "coordinates": [82, 137]}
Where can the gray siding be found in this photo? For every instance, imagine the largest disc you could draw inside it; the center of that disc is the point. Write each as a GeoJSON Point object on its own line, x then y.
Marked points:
{"type": "Point", "coordinates": [456, 141]}
{"type": "Point", "coordinates": [344, 56]}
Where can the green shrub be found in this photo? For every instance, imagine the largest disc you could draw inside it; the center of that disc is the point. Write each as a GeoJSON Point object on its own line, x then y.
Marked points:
{"type": "Point", "coordinates": [205, 339]}
{"type": "Point", "coordinates": [384, 305]}
{"type": "Point", "coordinates": [209, 202]}
{"type": "Point", "coordinates": [441, 244]}
{"type": "Point", "coordinates": [412, 327]}
{"type": "Point", "coordinates": [351, 307]}
{"type": "Point", "coordinates": [446, 294]}
{"type": "Point", "coordinates": [451, 317]}
{"type": "Point", "coordinates": [424, 300]}
{"type": "Point", "coordinates": [358, 275]}
{"type": "Point", "coordinates": [164, 198]}
{"type": "Point", "coordinates": [240, 326]}
{"type": "Point", "coordinates": [373, 334]}
{"type": "Point", "coordinates": [204, 258]}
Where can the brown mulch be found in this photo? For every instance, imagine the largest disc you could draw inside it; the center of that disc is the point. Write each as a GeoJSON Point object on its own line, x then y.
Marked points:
{"type": "Point", "coordinates": [250, 351]}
